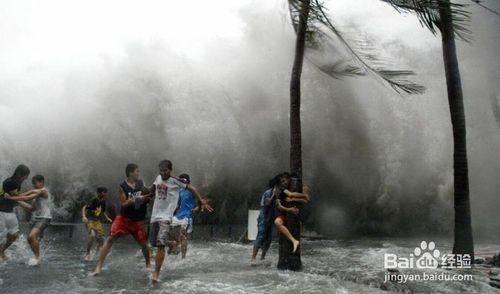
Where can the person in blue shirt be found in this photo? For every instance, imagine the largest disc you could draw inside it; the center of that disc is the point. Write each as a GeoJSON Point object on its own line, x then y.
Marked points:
{"type": "Point", "coordinates": [187, 206]}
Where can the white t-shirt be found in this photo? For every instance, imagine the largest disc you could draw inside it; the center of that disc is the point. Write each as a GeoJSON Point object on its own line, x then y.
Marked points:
{"type": "Point", "coordinates": [42, 207]}
{"type": "Point", "coordinates": [166, 198]}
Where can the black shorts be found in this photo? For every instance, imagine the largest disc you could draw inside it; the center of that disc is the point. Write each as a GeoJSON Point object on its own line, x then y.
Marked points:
{"type": "Point", "coordinates": [41, 224]}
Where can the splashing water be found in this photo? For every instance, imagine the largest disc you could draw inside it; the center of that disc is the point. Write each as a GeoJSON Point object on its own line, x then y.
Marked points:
{"type": "Point", "coordinates": [350, 266]}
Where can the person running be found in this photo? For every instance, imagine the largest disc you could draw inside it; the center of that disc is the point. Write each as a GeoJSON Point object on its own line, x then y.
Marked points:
{"type": "Point", "coordinates": [40, 218]}
{"type": "Point", "coordinates": [92, 214]}
{"type": "Point", "coordinates": [166, 189]}
{"type": "Point", "coordinates": [134, 198]}
{"type": "Point", "coordinates": [187, 206]}
{"type": "Point", "coordinates": [265, 219]}
{"type": "Point", "coordinates": [11, 196]}
{"type": "Point", "coordinates": [285, 203]}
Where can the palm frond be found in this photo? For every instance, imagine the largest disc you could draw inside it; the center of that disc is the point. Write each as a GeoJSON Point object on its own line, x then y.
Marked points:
{"type": "Point", "coordinates": [339, 69]}
{"type": "Point", "coordinates": [365, 61]}
{"type": "Point", "coordinates": [427, 12]}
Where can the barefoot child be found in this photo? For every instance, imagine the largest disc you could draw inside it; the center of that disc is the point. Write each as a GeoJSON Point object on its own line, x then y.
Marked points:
{"type": "Point", "coordinates": [134, 198]}
{"type": "Point", "coordinates": [40, 218]}
{"type": "Point", "coordinates": [11, 196]}
{"type": "Point", "coordinates": [187, 206]}
{"type": "Point", "coordinates": [92, 215]}
{"type": "Point", "coordinates": [166, 189]}
{"type": "Point", "coordinates": [285, 203]}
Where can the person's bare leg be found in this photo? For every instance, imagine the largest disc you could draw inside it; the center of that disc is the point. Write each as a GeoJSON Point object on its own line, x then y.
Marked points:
{"type": "Point", "coordinates": [3, 257]}
{"type": "Point", "coordinates": [146, 254]}
{"type": "Point", "coordinates": [281, 227]}
{"type": "Point", "coordinates": [160, 257]}
{"type": "Point", "coordinates": [11, 238]}
{"type": "Point", "coordinates": [263, 254]}
{"type": "Point", "coordinates": [184, 245]}
{"type": "Point", "coordinates": [100, 242]}
{"type": "Point", "coordinates": [89, 245]}
{"type": "Point", "coordinates": [34, 242]}
{"type": "Point", "coordinates": [2, 253]}
{"type": "Point", "coordinates": [268, 237]}
{"type": "Point", "coordinates": [104, 252]}
{"type": "Point", "coordinates": [254, 253]}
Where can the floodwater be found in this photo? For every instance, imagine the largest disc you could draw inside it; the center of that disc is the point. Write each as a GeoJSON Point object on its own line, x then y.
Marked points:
{"type": "Point", "coordinates": [330, 266]}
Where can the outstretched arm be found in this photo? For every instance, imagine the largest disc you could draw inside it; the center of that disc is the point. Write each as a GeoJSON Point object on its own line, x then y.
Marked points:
{"type": "Point", "coordinates": [297, 195]}
{"type": "Point", "coordinates": [26, 196]}
{"type": "Point", "coordinates": [297, 200]}
{"type": "Point", "coordinates": [203, 201]}
{"type": "Point", "coordinates": [107, 217]}
{"type": "Point", "coordinates": [84, 217]}
{"type": "Point", "coordinates": [26, 206]}
{"type": "Point", "coordinates": [148, 193]}
{"type": "Point", "coordinates": [44, 193]}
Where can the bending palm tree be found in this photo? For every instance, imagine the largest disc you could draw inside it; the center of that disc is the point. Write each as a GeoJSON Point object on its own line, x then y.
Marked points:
{"type": "Point", "coordinates": [449, 18]}
{"type": "Point", "coordinates": [312, 27]}
{"type": "Point", "coordinates": [463, 230]}
{"type": "Point", "coordinates": [287, 259]}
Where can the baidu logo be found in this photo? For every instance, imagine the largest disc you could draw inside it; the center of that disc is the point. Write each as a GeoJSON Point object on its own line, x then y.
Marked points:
{"type": "Point", "coordinates": [427, 256]}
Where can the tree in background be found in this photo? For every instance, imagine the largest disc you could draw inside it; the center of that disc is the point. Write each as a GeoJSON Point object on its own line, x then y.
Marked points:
{"type": "Point", "coordinates": [450, 19]}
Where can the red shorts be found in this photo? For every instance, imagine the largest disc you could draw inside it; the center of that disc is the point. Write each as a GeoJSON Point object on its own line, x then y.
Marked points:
{"type": "Point", "coordinates": [122, 226]}
{"type": "Point", "coordinates": [282, 218]}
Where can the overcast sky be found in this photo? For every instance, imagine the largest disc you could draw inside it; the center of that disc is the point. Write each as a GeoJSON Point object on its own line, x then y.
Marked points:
{"type": "Point", "coordinates": [56, 34]}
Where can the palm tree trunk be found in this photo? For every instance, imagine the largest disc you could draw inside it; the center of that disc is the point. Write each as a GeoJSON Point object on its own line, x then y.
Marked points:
{"type": "Point", "coordinates": [463, 243]}
{"type": "Point", "coordinates": [287, 259]}
{"type": "Point", "coordinates": [495, 107]}
{"type": "Point", "coordinates": [295, 123]}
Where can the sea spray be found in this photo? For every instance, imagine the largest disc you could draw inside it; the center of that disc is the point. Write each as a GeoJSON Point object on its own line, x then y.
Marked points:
{"type": "Point", "coordinates": [374, 157]}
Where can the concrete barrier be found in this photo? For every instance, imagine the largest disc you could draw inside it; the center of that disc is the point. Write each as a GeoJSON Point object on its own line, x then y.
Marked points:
{"type": "Point", "coordinates": [252, 224]}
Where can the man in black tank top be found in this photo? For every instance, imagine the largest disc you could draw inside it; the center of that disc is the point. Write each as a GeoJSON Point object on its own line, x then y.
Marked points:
{"type": "Point", "coordinates": [137, 211]}
{"type": "Point", "coordinates": [134, 199]}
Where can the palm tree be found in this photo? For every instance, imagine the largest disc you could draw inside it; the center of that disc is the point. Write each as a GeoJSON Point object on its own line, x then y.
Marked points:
{"type": "Point", "coordinates": [450, 18]}
{"type": "Point", "coordinates": [495, 107]}
{"type": "Point", "coordinates": [314, 30]}
{"type": "Point", "coordinates": [295, 127]}
{"type": "Point", "coordinates": [287, 259]}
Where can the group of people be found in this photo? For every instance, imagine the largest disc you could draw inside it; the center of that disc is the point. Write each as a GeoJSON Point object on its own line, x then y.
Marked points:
{"type": "Point", "coordinates": [173, 201]}
{"type": "Point", "coordinates": [40, 209]}
{"type": "Point", "coordinates": [170, 218]}
{"type": "Point", "coordinates": [276, 203]}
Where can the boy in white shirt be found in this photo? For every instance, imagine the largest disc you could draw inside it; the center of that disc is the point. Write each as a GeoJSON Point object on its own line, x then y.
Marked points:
{"type": "Point", "coordinates": [166, 190]}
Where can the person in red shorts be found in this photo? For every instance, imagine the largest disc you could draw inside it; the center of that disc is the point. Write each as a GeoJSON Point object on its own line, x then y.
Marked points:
{"type": "Point", "coordinates": [134, 198]}
{"type": "Point", "coordinates": [286, 203]}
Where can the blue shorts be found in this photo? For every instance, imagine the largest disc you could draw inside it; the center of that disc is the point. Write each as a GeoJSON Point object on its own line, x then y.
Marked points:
{"type": "Point", "coordinates": [264, 233]}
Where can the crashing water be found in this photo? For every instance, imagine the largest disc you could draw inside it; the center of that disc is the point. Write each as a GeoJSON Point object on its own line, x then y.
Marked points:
{"type": "Point", "coordinates": [330, 266]}
{"type": "Point", "coordinates": [377, 162]}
